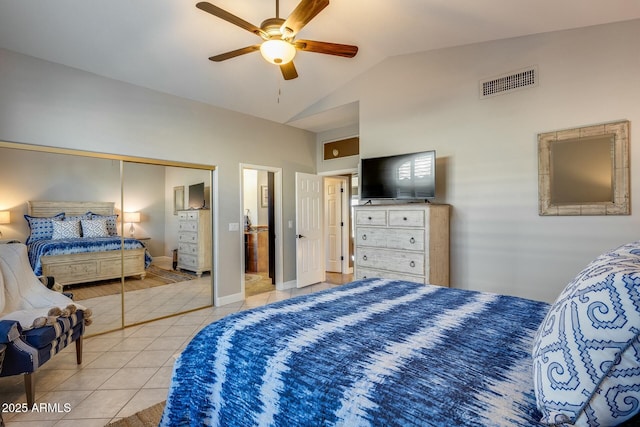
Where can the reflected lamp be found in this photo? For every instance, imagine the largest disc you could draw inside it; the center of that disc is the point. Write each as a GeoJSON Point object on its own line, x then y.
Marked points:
{"type": "Point", "coordinates": [132, 218]}
{"type": "Point", "coordinates": [5, 218]}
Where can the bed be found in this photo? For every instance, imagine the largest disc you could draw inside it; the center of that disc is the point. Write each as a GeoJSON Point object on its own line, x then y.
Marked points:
{"type": "Point", "coordinates": [82, 259]}
{"type": "Point", "coordinates": [390, 352]}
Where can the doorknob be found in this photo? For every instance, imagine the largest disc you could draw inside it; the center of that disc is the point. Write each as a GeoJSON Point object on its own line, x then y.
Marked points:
{"type": "Point", "coordinates": [299, 236]}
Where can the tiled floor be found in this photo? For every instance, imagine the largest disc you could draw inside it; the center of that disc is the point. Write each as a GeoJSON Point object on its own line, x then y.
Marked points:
{"type": "Point", "coordinates": [122, 372]}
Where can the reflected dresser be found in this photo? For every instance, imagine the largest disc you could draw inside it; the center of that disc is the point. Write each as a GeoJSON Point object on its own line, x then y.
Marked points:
{"type": "Point", "coordinates": [194, 240]}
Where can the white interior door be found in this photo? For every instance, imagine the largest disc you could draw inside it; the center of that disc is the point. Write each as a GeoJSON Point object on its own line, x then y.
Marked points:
{"type": "Point", "coordinates": [309, 230]}
{"type": "Point", "coordinates": [333, 221]}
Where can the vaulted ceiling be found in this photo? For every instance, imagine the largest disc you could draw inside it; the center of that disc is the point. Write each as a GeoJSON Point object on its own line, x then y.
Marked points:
{"type": "Point", "coordinates": [165, 44]}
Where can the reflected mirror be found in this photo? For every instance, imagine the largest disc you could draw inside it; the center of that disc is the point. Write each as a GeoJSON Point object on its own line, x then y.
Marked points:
{"type": "Point", "coordinates": [584, 171]}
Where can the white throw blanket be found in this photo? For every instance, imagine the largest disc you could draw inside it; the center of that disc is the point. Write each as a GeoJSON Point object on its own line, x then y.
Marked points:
{"type": "Point", "coordinates": [22, 296]}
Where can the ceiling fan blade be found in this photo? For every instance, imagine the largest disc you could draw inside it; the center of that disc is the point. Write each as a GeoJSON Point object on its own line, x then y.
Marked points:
{"type": "Point", "coordinates": [345, 50]}
{"type": "Point", "coordinates": [302, 14]}
{"type": "Point", "coordinates": [223, 14]}
{"type": "Point", "coordinates": [289, 71]}
{"type": "Point", "coordinates": [234, 53]}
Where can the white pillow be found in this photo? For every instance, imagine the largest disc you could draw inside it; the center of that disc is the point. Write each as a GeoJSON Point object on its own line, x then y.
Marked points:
{"type": "Point", "coordinates": [94, 228]}
{"type": "Point", "coordinates": [586, 353]}
{"type": "Point", "coordinates": [66, 229]}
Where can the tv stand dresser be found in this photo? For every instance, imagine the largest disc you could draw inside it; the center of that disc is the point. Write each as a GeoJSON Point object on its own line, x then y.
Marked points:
{"type": "Point", "coordinates": [407, 242]}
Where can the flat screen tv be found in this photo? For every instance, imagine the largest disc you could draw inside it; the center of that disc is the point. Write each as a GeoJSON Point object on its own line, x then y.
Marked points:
{"type": "Point", "coordinates": [406, 176]}
{"type": "Point", "coordinates": [196, 196]}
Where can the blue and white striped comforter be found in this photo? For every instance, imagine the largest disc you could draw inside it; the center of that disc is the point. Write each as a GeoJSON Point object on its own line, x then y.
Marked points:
{"type": "Point", "coordinates": [373, 352]}
{"type": "Point", "coordinates": [41, 248]}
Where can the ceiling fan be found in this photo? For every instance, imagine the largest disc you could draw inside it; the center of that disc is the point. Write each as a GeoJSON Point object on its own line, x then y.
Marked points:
{"type": "Point", "coordinates": [279, 45]}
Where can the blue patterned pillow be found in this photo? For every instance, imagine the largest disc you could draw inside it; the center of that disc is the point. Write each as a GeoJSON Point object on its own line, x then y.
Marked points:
{"type": "Point", "coordinates": [586, 353]}
{"type": "Point", "coordinates": [41, 227]}
{"type": "Point", "coordinates": [94, 228]}
{"type": "Point", "coordinates": [66, 229]}
{"type": "Point", "coordinates": [112, 226]}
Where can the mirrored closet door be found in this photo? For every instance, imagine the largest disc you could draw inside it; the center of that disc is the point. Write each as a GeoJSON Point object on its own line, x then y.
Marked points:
{"type": "Point", "coordinates": [131, 215]}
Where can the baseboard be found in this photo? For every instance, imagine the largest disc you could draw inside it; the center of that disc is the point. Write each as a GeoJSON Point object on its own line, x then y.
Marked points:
{"type": "Point", "coordinates": [291, 284]}
{"type": "Point", "coordinates": [229, 299]}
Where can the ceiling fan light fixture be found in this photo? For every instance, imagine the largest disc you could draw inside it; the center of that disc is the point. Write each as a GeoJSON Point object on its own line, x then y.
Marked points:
{"type": "Point", "coordinates": [278, 52]}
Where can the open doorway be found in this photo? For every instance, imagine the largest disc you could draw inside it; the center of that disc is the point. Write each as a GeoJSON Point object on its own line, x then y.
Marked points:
{"type": "Point", "coordinates": [262, 250]}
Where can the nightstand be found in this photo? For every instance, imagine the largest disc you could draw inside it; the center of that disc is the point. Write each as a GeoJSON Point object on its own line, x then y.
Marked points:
{"type": "Point", "coordinates": [144, 240]}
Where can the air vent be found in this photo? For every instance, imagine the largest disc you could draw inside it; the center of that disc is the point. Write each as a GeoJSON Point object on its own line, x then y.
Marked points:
{"type": "Point", "coordinates": [510, 82]}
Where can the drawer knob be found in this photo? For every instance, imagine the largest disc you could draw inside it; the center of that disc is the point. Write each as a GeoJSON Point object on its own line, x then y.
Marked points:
{"type": "Point", "coordinates": [364, 237]}
{"type": "Point", "coordinates": [412, 240]}
{"type": "Point", "coordinates": [404, 218]}
{"type": "Point", "coordinates": [412, 264]}
{"type": "Point", "coordinates": [364, 257]}
{"type": "Point", "coordinates": [370, 218]}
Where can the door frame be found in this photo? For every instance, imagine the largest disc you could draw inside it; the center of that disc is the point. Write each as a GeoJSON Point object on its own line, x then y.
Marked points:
{"type": "Point", "coordinates": [279, 252]}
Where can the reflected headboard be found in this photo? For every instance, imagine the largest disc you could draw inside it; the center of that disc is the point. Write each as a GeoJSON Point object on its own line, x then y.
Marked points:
{"type": "Point", "coordinates": [48, 208]}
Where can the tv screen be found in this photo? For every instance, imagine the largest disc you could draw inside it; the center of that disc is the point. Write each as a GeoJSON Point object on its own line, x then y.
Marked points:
{"type": "Point", "coordinates": [196, 196]}
{"type": "Point", "coordinates": [405, 176]}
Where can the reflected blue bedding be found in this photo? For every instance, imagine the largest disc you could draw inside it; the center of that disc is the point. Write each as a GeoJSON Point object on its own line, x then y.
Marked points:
{"type": "Point", "coordinates": [41, 248]}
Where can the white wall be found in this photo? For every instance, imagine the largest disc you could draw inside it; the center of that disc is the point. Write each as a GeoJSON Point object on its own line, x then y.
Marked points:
{"type": "Point", "coordinates": [50, 104]}
{"type": "Point", "coordinates": [487, 149]}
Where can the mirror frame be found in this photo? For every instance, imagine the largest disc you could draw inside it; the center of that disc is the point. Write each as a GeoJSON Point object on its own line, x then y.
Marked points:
{"type": "Point", "coordinates": [621, 196]}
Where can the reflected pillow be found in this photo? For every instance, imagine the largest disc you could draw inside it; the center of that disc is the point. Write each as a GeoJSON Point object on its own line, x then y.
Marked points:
{"type": "Point", "coordinates": [66, 229]}
{"type": "Point", "coordinates": [41, 228]}
{"type": "Point", "coordinates": [77, 217]}
{"type": "Point", "coordinates": [586, 353]}
{"type": "Point", "coordinates": [94, 228]}
{"type": "Point", "coordinates": [112, 227]}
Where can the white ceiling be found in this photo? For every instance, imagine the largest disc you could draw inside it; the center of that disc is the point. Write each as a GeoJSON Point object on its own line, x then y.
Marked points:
{"type": "Point", "coordinates": [164, 44]}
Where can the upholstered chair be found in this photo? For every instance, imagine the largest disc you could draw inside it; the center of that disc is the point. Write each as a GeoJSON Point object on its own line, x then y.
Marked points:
{"type": "Point", "coordinates": [35, 322]}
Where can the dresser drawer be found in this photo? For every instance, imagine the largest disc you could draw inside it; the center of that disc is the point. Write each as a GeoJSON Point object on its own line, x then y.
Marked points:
{"type": "Point", "coordinates": [187, 261]}
{"type": "Point", "coordinates": [193, 215]}
{"type": "Point", "coordinates": [187, 248]}
{"type": "Point", "coordinates": [401, 218]}
{"type": "Point", "coordinates": [182, 215]}
{"type": "Point", "coordinates": [369, 273]}
{"type": "Point", "coordinates": [188, 226]}
{"type": "Point", "coordinates": [371, 217]}
{"type": "Point", "coordinates": [390, 238]}
{"type": "Point", "coordinates": [390, 260]}
{"type": "Point", "coordinates": [187, 237]}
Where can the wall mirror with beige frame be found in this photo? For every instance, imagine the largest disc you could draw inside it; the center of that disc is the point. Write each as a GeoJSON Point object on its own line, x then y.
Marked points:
{"type": "Point", "coordinates": [125, 209]}
{"type": "Point", "coordinates": [584, 171]}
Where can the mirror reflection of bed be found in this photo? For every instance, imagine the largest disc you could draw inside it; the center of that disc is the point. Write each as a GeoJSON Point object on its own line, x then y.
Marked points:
{"type": "Point", "coordinates": [136, 185]}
